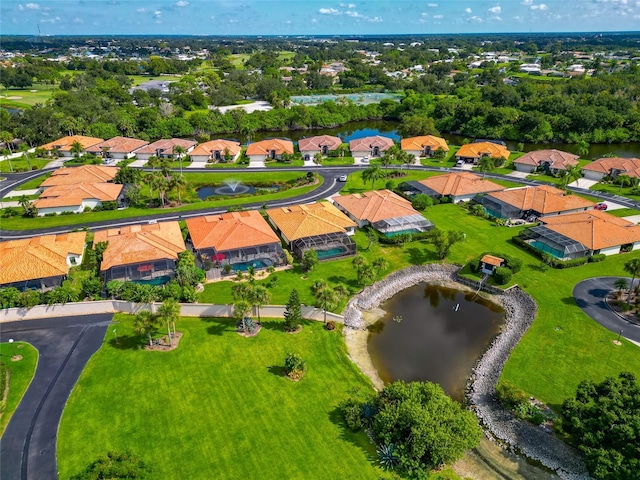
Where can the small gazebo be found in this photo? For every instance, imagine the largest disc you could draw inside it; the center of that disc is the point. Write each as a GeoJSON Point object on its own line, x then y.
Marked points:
{"type": "Point", "coordinates": [489, 263]}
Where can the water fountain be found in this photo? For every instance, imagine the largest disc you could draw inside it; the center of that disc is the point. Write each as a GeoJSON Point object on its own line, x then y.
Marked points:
{"type": "Point", "coordinates": [230, 187]}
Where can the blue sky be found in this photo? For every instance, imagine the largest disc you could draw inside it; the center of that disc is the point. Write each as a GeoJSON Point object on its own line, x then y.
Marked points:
{"type": "Point", "coordinates": [311, 17]}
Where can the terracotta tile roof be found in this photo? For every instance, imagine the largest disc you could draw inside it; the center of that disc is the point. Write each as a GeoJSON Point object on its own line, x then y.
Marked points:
{"type": "Point", "coordinates": [316, 143]}
{"type": "Point", "coordinates": [594, 229]}
{"type": "Point", "coordinates": [140, 243]}
{"type": "Point", "coordinates": [375, 205]}
{"type": "Point", "coordinates": [64, 144]}
{"type": "Point", "coordinates": [367, 143]}
{"type": "Point", "coordinates": [280, 146]}
{"type": "Point", "coordinates": [38, 257]}
{"type": "Point", "coordinates": [491, 260]}
{"type": "Point", "coordinates": [118, 145]}
{"type": "Point", "coordinates": [217, 146]}
{"type": "Point", "coordinates": [556, 159]}
{"type": "Point", "coordinates": [543, 199]}
{"type": "Point", "coordinates": [628, 166]}
{"type": "Point", "coordinates": [82, 174]}
{"type": "Point", "coordinates": [419, 143]}
{"type": "Point", "coordinates": [73, 195]}
{"type": "Point", "coordinates": [301, 221]}
{"type": "Point", "coordinates": [477, 150]}
{"type": "Point", "coordinates": [166, 146]}
{"type": "Point", "coordinates": [231, 230]}
{"type": "Point", "coordinates": [460, 183]}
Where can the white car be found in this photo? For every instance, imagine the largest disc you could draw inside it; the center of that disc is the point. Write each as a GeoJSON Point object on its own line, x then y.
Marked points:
{"type": "Point", "coordinates": [365, 159]}
{"type": "Point", "coordinates": [342, 178]}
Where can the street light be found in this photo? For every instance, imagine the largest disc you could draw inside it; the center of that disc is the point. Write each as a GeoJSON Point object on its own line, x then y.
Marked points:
{"type": "Point", "coordinates": [13, 347]}
{"type": "Point", "coordinates": [619, 335]}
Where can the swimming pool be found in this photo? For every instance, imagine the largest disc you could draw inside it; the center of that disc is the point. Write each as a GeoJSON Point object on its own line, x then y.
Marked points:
{"type": "Point", "coordinates": [257, 264]}
{"type": "Point", "coordinates": [332, 252]}
{"type": "Point", "coordinates": [400, 232]}
{"type": "Point", "coordinates": [154, 281]}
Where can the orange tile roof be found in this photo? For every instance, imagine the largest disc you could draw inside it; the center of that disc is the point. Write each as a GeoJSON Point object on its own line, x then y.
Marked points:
{"type": "Point", "coordinates": [460, 183]}
{"type": "Point", "coordinates": [118, 145]}
{"type": "Point", "coordinates": [419, 143]}
{"type": "Point", "coordinates": [375, 205]}
{"type": "Point", "coordinates": [280, 146]}
{"type": "Point", "coordinates": [231, 230]}
{"type": "Point", "coordinates": [628, 166]}
{"type": "Point", "coordinates": [64, 144]}
{"type": "Point", "coordinates": [477, 150]}
{"type": "Point", "coordinates": [367, 143]}
{"type": "Point", "coordinates": [217, 146]}
{"type": "Point", "coordinates": [542, 199]}
{"type": "Point", "coordinates": [73, 195]}
{"type": "Point", "coordinates": [166, 146]}
{"type": "Point", "coordinates": [556, 158]}
{"type": "Point", "coordinates": [491, 260]}
{"type": "Point", "coordinates": [140, 243]}
{"type": "Point", "coordinates": [594, 229]}
{"type": "Point", "coordinates": [301, 221]}
{"type": "Point", "coordinates": [316, 143]}
{"type": "Point", "coordinates": [82, 174]}
{"type": "Point", "coordinates": [38, 257]}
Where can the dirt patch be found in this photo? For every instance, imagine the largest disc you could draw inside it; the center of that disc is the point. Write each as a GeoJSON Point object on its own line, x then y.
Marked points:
{"type": "Point", "coordinates": [293, 332]}
{"type": "Point", "coordinates": [164, 345]}
{"type": "Point", "coordinates": [250, 334]}
{"type": "Point", "coordinates": [14, 97]}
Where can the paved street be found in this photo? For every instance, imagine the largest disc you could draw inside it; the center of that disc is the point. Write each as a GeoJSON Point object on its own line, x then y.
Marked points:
{"type": "Point", "coordinates": [28, 446]}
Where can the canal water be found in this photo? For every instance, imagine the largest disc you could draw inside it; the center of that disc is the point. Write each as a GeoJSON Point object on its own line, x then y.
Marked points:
{"type": "Point", "coordinates": [434, 334]}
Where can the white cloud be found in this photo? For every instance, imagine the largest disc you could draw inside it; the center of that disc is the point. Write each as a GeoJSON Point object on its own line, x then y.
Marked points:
{"type": "Point", "coordinates": [32, 6]}
{"type": "Point", "coordinates": [348, 5]}
{"type": "Point", "coordinates": [328, 11]}
{"type": "Point", "coordinates": [496, 9]}
{"type": "Point", "coordinates": [468, 10]}
{"type": "Point", "coordinates": [424, 14]}
{"type": "Point", "coordinates": [182, 3]}
{"type": "Point", "coordinates": [51, 20]}
{"type": "Point", "coordinates": [475, 18]}
{"type": "Point", "coordinates": [542, 7]}
{"type": "Point", "coordinates": [20, 7]}
{"type": "Point", "coordinates": [314, 20]}
{"type": "Point", "coordinates": [375, 19]}
{"type": "Point", "coordinates": [288, 22]}
{"type": "Point", "coordinates": [78, 20]}
{"type": "Point", "coordinates": [353, 14]}
{"type": "Point", "coordinates": [432, 5]}
{"type": "Point", "coordinates": [527, 2]}
{"type": "Point", "coordinates": [438, 17]}
{"type": "Point", "coordinates": [141, 10]}
{"type": "Point", "coordinates": [157, 12]}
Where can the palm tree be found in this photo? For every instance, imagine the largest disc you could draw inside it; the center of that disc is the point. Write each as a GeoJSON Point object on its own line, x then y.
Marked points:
{"type": "Point", "coordinates": [486, 164]}
{"type": "Point", "coordinates": [153, 162]}
{"type": "Point", "coordinates": [380, 264]}
{"type": "Point", "coordinates": [179, 151]}
{"type": "Point", "coordinates": [6, 152]}
{"type": "Point", "coordinates": [24, 148]}
{"type": "Point", "coordinates": [327, 298]}
{"type": "Point", "coordinates": [259, 296]}
{"type": "Point", "coordinates": [169, 311]}
{"type": "Point", "coordinates": [241, 291]}
{"type": "Point", "coordinates": [372, 173]}
{"type": "Point", "coordinates": [623, 181]}
{"type": "Point", "coordinates": [148, 178]}
{"type": "Point", "coordinates": [582, 148]}
{"type": "Point", "coordinates": [632, 267]}
{"type": "Point", "coordinates": [178, 182]}
{"type": "Point", "coordinates": [241, 310]}
{"type": "Point", "coordinates": [7, 138]}
{"type": "Point", "coordinates": [76, 149]}
{"type": "Point", "coordinates": [621, 284]}
{"type": "Point", "coordinates": [146, 322]}
{"type": "Point", "coordinates": [573, 173]}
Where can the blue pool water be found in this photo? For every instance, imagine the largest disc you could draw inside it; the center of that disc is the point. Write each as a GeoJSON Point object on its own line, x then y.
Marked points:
{"type": "Point", "coordinates": [400, 232]}
{"type": "Point", "coordinates": [332, 252]}
{"type": "Point", "coordinates": [154, 281]}
{"type": "Point", "coordinates": [258, 263]}
{"type": "Point", "coordinates": [543, 247]}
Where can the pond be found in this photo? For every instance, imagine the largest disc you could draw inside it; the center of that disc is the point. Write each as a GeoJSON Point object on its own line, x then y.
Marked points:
{"type": "Point", "coordinates": [434, 334]}
{"type": "Point", "coordinates": [232, 189]}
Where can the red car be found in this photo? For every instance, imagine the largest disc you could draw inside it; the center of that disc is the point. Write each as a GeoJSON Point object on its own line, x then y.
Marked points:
{"type": "Point", "coordinates": [601, 206]}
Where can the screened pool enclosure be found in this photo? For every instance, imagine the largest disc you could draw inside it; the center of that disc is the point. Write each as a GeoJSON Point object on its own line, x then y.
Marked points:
{"type": "Point", "coordinates": [553, 243]}
{"type": "Point", "coordinates": [240, 259]}
{"type": "Point", "coordinates": [330, 245]}
{"type": "Point", "coordinates": [408, 224]}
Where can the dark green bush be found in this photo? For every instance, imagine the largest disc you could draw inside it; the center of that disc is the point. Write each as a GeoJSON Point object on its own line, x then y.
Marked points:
{"type": "Point", "coordinates": [421, 201]}
{"type": "Point", "coordinates": [598, 257]}
{"type": "Point", "coordinates": [351, 413]}
{"type": "Point", "coordinates": [502, 275]}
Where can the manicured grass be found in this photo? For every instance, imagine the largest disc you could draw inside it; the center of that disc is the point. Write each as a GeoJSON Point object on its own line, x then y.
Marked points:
{"type": "Point", "coordinates": [336, 161]}
{"type": "Point", "coordinates": [448, 161]}
{"type": "Point", "coordinates": [219, 406]}
{"type": "Point", "coordinates": [21, 165]}
{"type": "Point", "coordinates": [34, 182]}
{"type": "Point", "coordinates": [615, 190]}
{"type": "Point", "coordinates": [623, 212]}
{"type": "Point", "coordinates": [355, 184]}
{"type": "Point", "coordinates": [37, 93]}
{"type": "Point", "coordinates": [139, 79]}
{"type": "Point", "coordinates": [22, 372]}
{"type": "Point", "coordinates": [298, 162]}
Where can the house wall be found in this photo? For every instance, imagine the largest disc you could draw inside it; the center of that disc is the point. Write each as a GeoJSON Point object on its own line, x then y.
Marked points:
{"type": "Point", "coordinates": [58, 210]}
{"type": "Point", "coordinates": [361, 154]}
{"type": "Point", "coordinates": [610, 251]}
{"type": "Point", "coordinates": [591, 175]}
{"type": "Point", "coordinates": [74, 259]}
{"type": "Point", "coordinates": [257, 158]}
{"type": "Point", "coordinates": [206, 158]}
{"type": "Point", "coordinates": [467, 159]}
{"type": "Point", "coordinates": [144, 156]}
{"type": "Point", "coordinates": [463, 198]}
{"type": "Point", "coordinates": [636, 246]}
{"type": "Point", "coordinates": [415, 153]}
{"type": "Point", "coordinates": [523, 167]}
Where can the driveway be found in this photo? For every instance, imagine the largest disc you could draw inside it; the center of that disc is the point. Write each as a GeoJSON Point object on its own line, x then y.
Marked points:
{"type": "Point", "coordinates": [28, 446]}
{"type": "Point", "coordinates": [590, 296]}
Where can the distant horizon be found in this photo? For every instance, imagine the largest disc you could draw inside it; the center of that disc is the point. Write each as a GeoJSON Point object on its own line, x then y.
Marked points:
{"type": "Point", "coordinates": [244, 18]}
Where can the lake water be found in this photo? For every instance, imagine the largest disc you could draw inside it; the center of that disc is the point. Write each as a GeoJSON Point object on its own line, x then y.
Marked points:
{"type": "Point", "coordinates": [423, 338]}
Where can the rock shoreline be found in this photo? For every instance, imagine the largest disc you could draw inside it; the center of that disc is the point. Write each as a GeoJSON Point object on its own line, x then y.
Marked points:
{"type": "Point", "coordinates": [520, 311]}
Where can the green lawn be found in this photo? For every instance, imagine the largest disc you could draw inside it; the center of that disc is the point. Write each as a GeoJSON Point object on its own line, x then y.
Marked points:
{"type": "Point", "coordinates": [25, 98]}
{"type": "Point", "coordinates": [34, 182]}
{"type": "Point", "coordinates": [219, 406]}
{"type": "Point", "coordinates": [21, 165]}
{"type": "Point", "coordinates": [337, 161]}
{"type": "Point", "coordinates": [298, 162]}
{"type": "Point", "coordinates": [21, 374]}
{"type": "Point", "coordinates": [139, 79]}
{"type": "Point", "coordinates": [616, 190]}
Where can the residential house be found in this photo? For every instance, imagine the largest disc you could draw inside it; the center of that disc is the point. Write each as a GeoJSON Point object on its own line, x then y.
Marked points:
{"type": "Point", "coordinates": [527, 202]}
{"type": "Point", "coordinates": [271, 149]}
{"type": "Point", "coordinates": [374, 146]}
{"type": "Point", "coordinates": [216, 151]}
{"type": "Point", "coordinates": [144, 254]}
{"type": "Point", "coordinates": [423, 146]}
{"type": "Point", "coordinates": [322, 144]}
{"type": "Point", "coordinates": [40, 263]}
{"type": "Point", "coordinates": [238, 239]}
{"type": "Point", "coordinates": [598, 169]}
{"type": "Point", "coordinates": [117, 148]}
{"type": "Point", "coordinates": [81, 174]}
{"type": "Point", "coordinates": [384, 210]}
{"type": "Point", "coordinates": [319, 226]}
{"type": "Point", "coordinates": [62, 147]}
{"type": "Point", "coordinates": [472, 152]}
{"type": "Point", "coordinates": [164, 148]}
{"type": "Point", "coordinates": [551, 161]}
{"type": "Point", "coordinates": [575, 235]}
{"type": "Point", "coordinates": [76, 198]}
{"type": "Point", "coordinates": [489, 264]}
{"type": "Point", "coordinates": [456, 186]}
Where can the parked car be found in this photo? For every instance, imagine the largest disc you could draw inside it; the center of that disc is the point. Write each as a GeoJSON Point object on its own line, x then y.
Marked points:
{"type": "Point", "coordinates": [601, 206]}
{"type": "Point", "coordinates": [365, 159]}
{"type": "Point", "coordinates": [342, 178]}
{"type": "Point", "coordinates": [459, 163]}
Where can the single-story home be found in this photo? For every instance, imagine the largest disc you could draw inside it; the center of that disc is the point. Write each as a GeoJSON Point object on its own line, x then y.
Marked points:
{"type": "Point", "coordinates": [81, 174]}
{"type": "Point", "coordinates": [76, 198]}
{"type": "Point", "coordinates": [164, 148]}
{"type": "Point", "coordinates": [552, 161]}
{"type": "Point", "coordinates": [319, 226]}
{"type": "Point", "coordinates": [489, 264]}
{"type": "Point", "coordinates": [472, 152]}
{"type": "Point", "coordinates": [62, 147]}
{"type": "Point", "coordinates": [216, 151]}
{"type": "Point", "coordinates": [271, 149]}
{"type": "Point", "coordinates": [144, 254]}
{"type": "Point", "coordinates": [458, 186]}
{"type": "Point", "coordinates": [40, 263]}
{"type": "Point", "coordinates": [598, 169]}
{"type": "Point", "coordinates": [374, 146]}
{"type": "Point", "coordinates": [524, 202]}
{"type": "Point", "coordinates": [384, 210]}
{"type": "Point", "coordinates": [423, 146]}
{"type": "Point", "coordinates": [322, 144]}
{"type": "Point", "coordinates": [583, 234]}
{"type": "Point", "coordinates": [238, 239]}
{"type": "Point", "coordinates": [117, 148]}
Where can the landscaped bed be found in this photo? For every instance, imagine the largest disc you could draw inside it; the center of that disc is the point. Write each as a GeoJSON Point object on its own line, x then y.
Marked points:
{"type": "Point", "coordinates": [20, 374]}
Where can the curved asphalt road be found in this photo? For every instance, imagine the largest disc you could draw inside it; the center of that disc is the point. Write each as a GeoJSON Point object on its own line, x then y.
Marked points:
{"type": "Point", "coordinates": [28, 446]}
{"type": "Point", "coordinates": [590, 296]}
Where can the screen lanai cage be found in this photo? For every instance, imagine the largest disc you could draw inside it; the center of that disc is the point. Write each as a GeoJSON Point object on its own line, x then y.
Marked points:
{"type": "Point", "coordinates": [329, 245]}
{"type": "Point", "coordinates": [408, 224]}
{"type": "Point", "coordinates": [154, 272]}
{"type": "Point", "coordinates": [258, 256]}
{"type": "Point", "coordinates": [499, 209]}
{"type": "Point", "coordinates": [553, 243]}
{"type": "Point", "coordinates": [42, 284]}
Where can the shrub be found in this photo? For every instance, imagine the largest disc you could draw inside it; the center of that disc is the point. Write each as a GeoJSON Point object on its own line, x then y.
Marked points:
{"type": "Point", "coordinates": [294, 366]}
{"type": "Point", "coordinates": [598, 257]}
{"type": "Point", "coordinates": [330, 325]}
{"type": "Point", "coordinates": [510, 395]}
{"type": "Point", "coordinates": [421, 201]}
{"type": "Point", "coordinates": [502, 275]}
{"type": "Point", "coordinates": [246, 324]}
{"type": "Point", "coordinates": [350, 409]}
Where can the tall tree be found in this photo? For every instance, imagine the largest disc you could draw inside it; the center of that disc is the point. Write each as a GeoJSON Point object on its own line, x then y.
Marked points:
{"type": "Point", "coordinates": [372, 173]}
{"type": "Point", "coordinates": [240, 310]}
{"type": "Point", "coordinates": [169, 312]}
{"type": "Point", "coordinates": [6, 153]}
{"type": "Point", "coordinates": [24, 148]}
{"type": "Point", "coordinates": [293, 312]}
{"type": "Point", "coordinates": [486, 164]}
{"type": "Point", "coordinates": [146, 323]}
{"type": "Point", "coordinates": [327, 298]}
{"type": "Point", "coordinates": [573, 173]}
{"type": "Point", "coordinates": [632, 267]}
{"type": "Point", "coordinates": [582, 148]}
{"type": "Point", "coordinates": [76, 149]}
{"type": "Point", "coordinates": [259, 297]}
{"type": "Point", "coordinates": [178, 182]}
{"type": "Point", "coordinates": [443, 240]}
{"type": "Point", "coordinates": [179, 152]}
